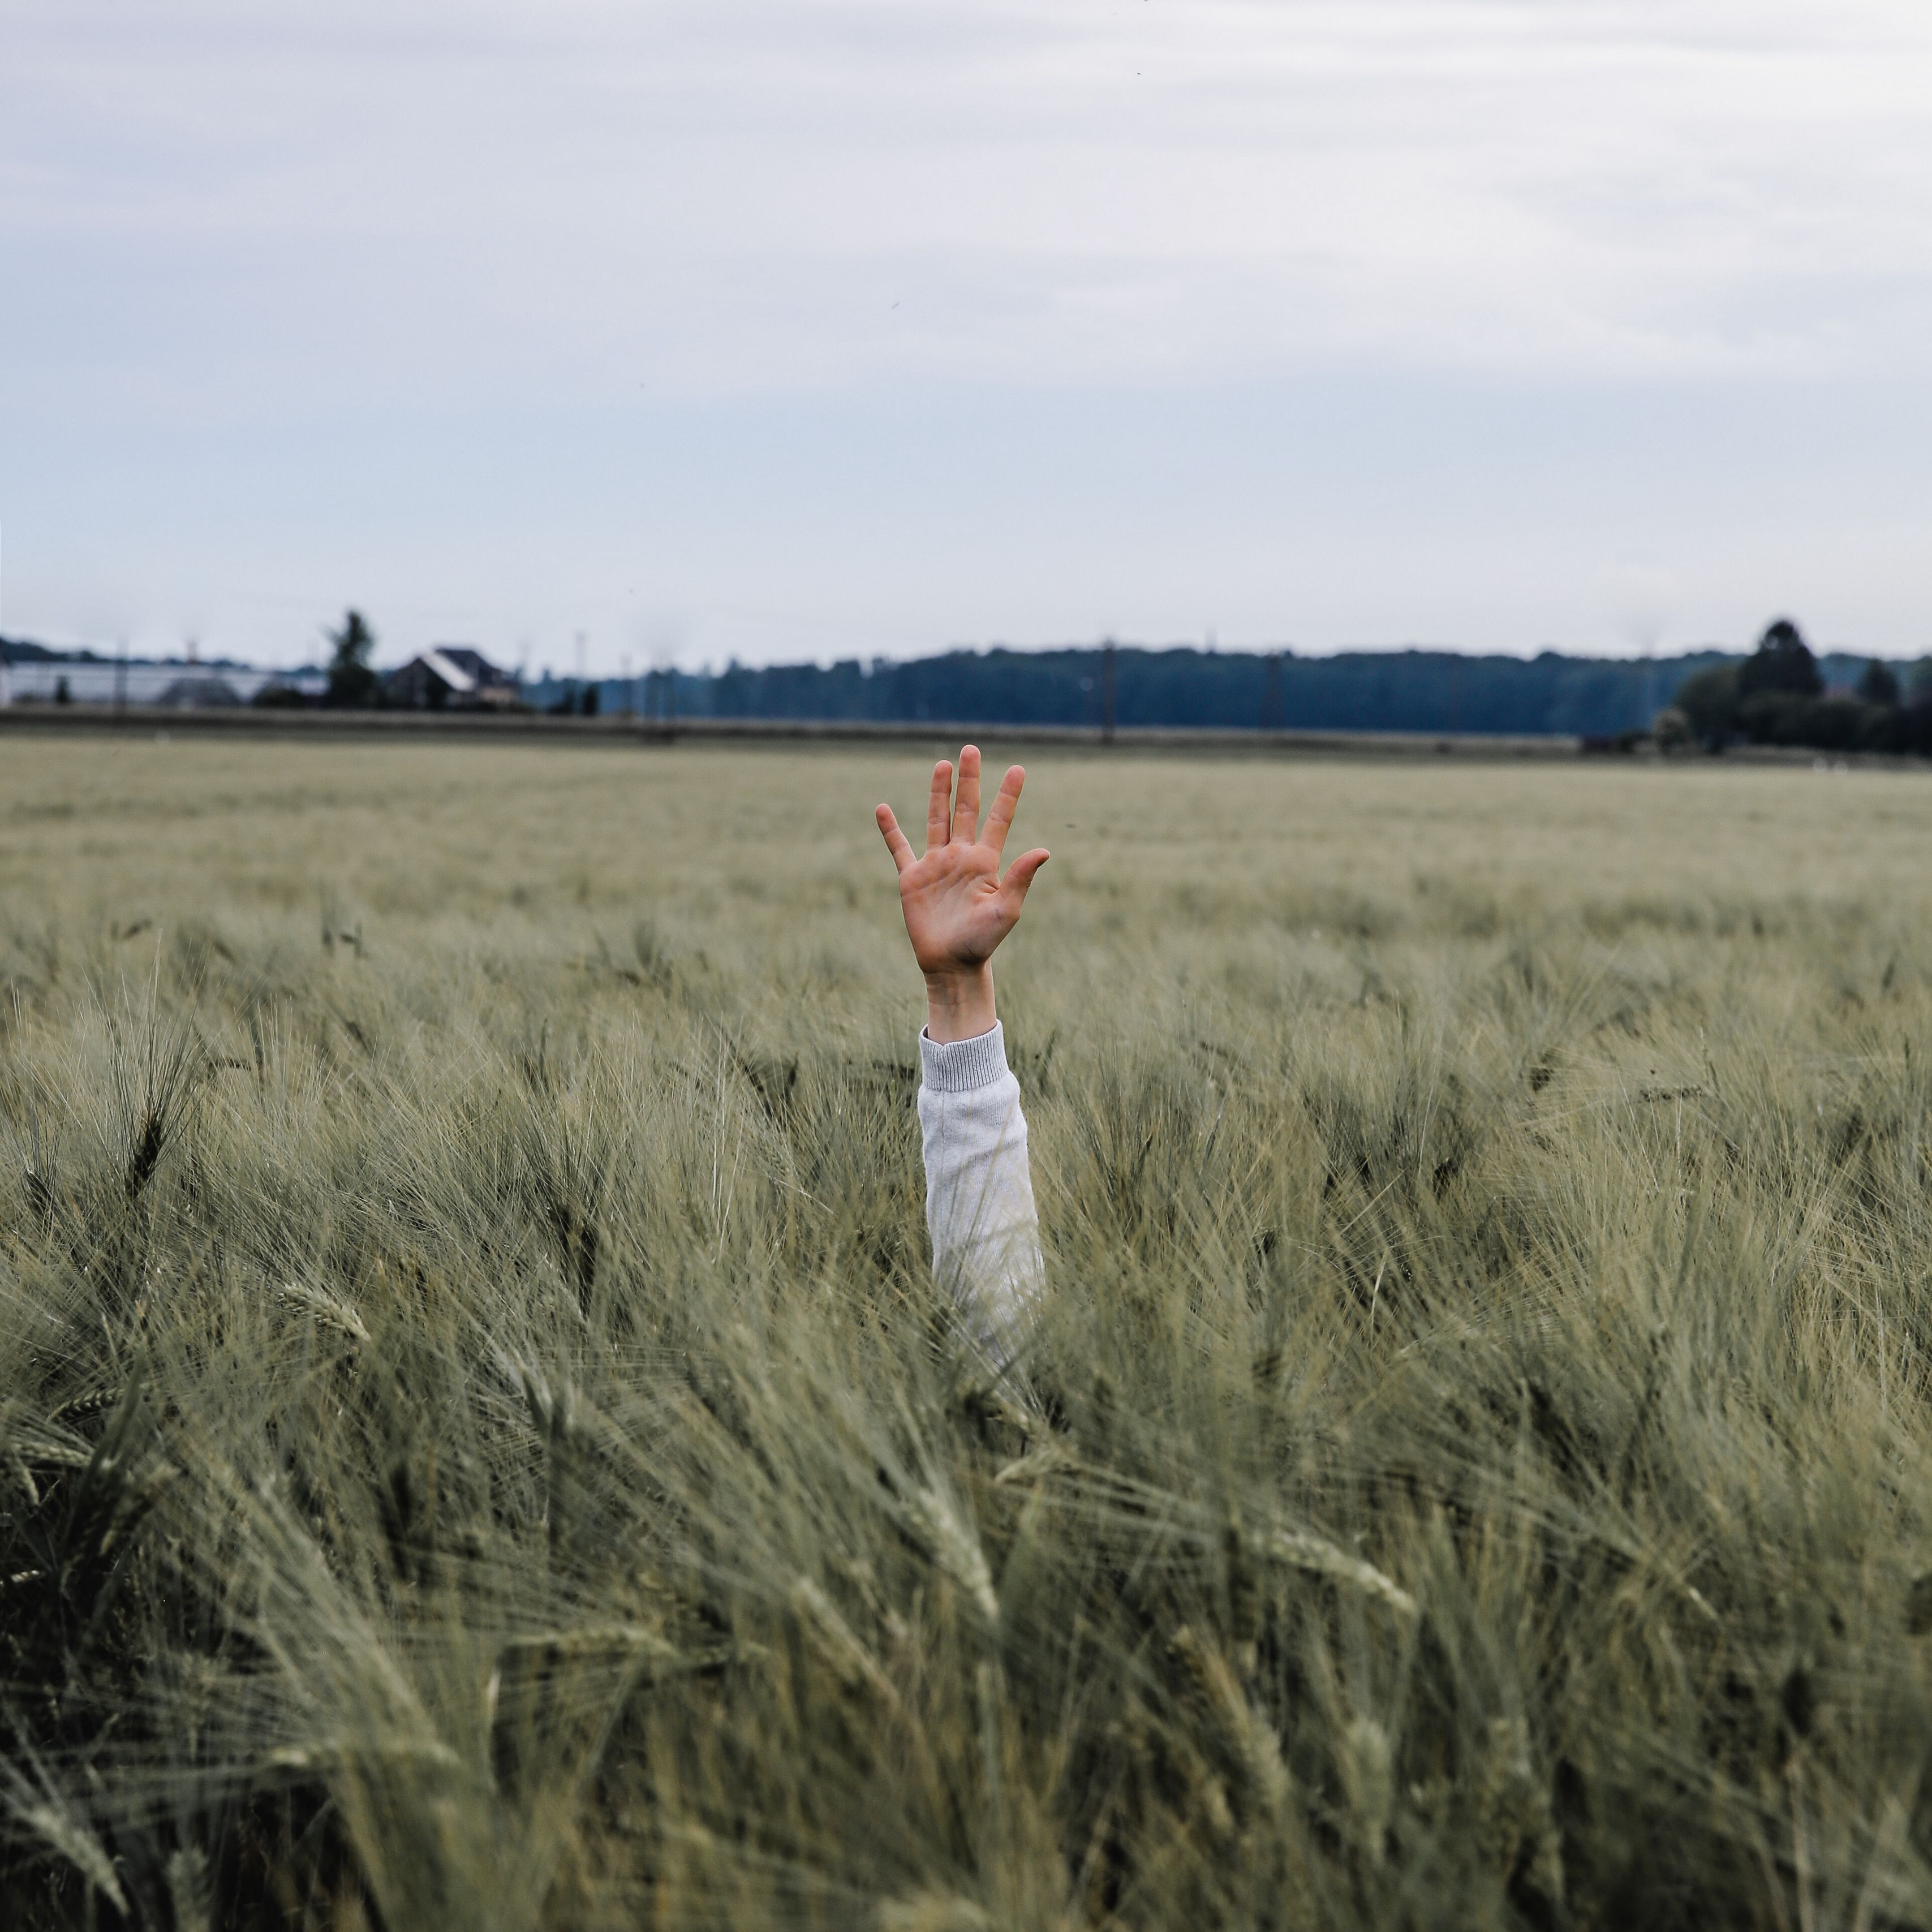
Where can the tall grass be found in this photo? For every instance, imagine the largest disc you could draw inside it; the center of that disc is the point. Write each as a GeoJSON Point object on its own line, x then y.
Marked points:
{"type": "Point", "coordinates": [479, 1446]}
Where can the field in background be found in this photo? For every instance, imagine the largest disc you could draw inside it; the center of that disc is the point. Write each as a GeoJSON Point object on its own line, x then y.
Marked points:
{"type": "Point", "coordinates": [478, 1447]}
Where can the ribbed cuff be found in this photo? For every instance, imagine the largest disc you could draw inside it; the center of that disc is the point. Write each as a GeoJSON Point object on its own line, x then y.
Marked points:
{"type": "Point", "coordinates": [959, 1065]}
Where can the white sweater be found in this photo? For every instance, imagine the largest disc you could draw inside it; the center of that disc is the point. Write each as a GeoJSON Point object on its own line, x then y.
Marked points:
{"type": "Point", "coordinates": [979, 1188]}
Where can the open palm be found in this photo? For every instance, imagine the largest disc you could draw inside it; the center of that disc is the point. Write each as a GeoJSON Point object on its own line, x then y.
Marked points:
{"type": "Point", "coordinates": [958, 908]}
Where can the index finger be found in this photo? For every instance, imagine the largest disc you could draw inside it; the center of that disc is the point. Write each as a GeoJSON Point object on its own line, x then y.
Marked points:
{"type": "Point", "coordinates": [1001, 818]}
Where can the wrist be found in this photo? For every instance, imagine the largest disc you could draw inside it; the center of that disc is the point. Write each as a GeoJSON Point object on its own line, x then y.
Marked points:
{"type": "Point", "coordinates": [959, 1003]}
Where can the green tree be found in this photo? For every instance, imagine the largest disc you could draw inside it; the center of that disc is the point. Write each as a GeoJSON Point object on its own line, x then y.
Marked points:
{"type": "Point", "coordinates": [1783, 663]}
{"type": "Point", "coordinates": [1879, 684]}
{"type": "Point", "coordinates": [352, 682]}
{"type": "Point", "coordinates": [1709, 698]}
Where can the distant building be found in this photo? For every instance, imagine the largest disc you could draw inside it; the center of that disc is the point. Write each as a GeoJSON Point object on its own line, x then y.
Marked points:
{"type": "Point", "coordinates": [98, 680]}
{"type": "Point", "coordinates": [452, 676]}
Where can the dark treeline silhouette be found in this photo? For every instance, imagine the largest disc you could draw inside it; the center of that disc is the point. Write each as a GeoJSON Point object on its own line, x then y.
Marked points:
{"type": "Point", "coordinates": [1782, 694]}
{"type": "Point", "coordinates": [1355, 690]}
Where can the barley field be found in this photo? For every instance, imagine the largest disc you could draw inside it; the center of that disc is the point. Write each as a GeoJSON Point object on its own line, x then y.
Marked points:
{"type": "Point", "coordinates": [479, 1447]}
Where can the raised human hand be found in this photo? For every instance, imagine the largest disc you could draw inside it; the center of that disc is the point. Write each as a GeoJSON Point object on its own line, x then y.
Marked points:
{"type": "Point", "coordinates": [958, 908]}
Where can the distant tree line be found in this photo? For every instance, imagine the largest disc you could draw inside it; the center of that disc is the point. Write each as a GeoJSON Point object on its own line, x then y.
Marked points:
{"type": "Point", "coordinates": [1779, 695]}
{"type": "Point", "coordinates": [1782, 694]}
{"type": "Point", "coordinates": [1430, 691]}
{"type": "Point", "coordinates": [1188, 687]}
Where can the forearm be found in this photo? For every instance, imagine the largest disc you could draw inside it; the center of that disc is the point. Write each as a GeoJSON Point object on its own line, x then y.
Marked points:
{"type": "Point", "coordinates": [979, 1192]}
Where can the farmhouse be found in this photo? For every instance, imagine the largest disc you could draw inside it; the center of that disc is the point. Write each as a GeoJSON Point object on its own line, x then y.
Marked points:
{"type": "Point", "coordinates": [451, 676]}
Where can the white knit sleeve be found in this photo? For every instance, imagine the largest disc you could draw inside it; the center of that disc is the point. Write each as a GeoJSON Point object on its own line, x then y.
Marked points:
{"type": "Point", "coordinates": [979, 1188]}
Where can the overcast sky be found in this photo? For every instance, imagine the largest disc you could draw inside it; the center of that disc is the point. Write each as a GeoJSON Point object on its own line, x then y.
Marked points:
{"type": "Point", "coordinates": [792, 328]}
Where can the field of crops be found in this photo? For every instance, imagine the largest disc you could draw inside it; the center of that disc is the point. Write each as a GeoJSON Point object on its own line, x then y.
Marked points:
{"type": "Point", "coordinates": [480, 1447]}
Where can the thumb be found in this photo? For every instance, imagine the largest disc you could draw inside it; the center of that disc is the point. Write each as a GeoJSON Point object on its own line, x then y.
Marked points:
{"type": "Point", "coordinates": [1020, 874]}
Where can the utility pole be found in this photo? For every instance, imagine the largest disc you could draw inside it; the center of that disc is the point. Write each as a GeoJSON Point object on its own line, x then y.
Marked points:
{"type": "Point", "coordinates": [1108, 692]}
